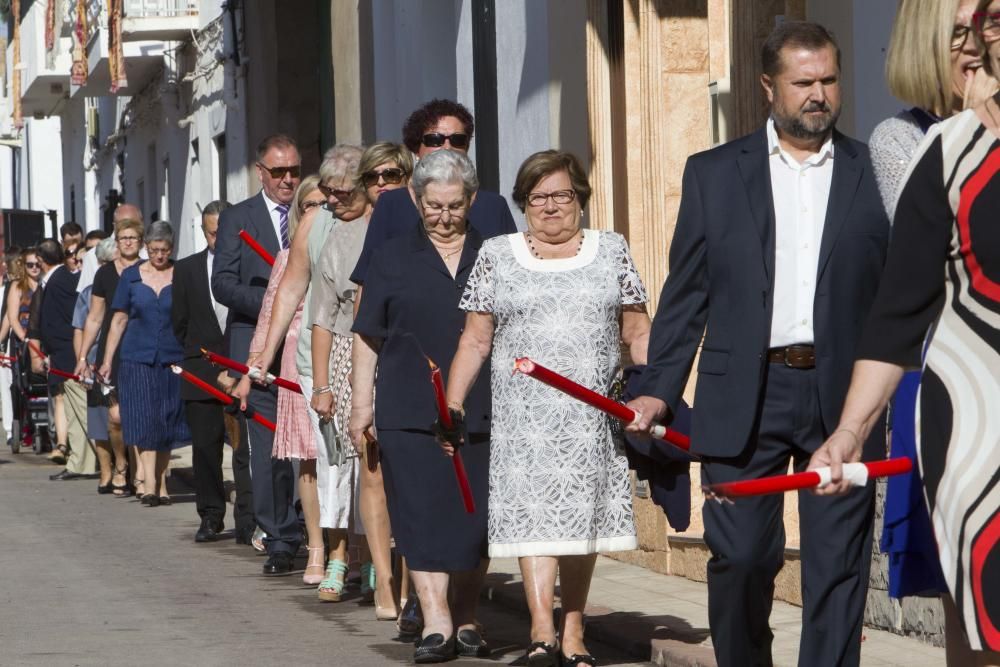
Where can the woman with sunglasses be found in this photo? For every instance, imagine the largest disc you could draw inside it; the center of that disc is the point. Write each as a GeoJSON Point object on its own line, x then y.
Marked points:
{"type": "Point", "coordinates": [294, 438]}
{"type": "Point", "coordinates": [438, 124]}
{"type": "Point", "coordinates": [938, 309]}
{"type": "Point", "coordinates": [22, 288]}
{"type": "Point", "coordinates": [129, 237]}
{"type": "Point", "coordinates": [384, 167]}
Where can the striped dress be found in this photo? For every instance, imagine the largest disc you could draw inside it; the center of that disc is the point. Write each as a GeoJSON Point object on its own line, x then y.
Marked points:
{"type": "Point", "coordinates": [942, 281]}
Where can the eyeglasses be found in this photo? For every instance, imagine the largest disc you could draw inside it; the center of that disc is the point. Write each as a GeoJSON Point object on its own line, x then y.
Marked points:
{"type": "Point", "coordinates": [959, 36]}
{"type": "Point", "coordinates": [391, 176]}
{"type": "Point", "coordinates": [278, 173]}
{"type": "Point", "coordinates": [310, 205]}
{"type": "Point", "coordinates": [128, 239]}
{"type": "Point", "coordinates": [341, 195]}
{"type": "Point", "coordinates": [559, 196]}
{"type": "Point", "coordinates": [32, 265]}
{"type": "Point", "coordinates": [437, 210]}
{"type": "Point", "coordinates": [987, 25]}
{"type": "Point", "coordinates": [158, 251]}
{"type": "Point", "coordinates": [436, 139]}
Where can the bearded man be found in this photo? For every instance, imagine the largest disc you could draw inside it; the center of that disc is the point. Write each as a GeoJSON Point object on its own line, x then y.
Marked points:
{"type": "Point", "coordinates": [776, 258]}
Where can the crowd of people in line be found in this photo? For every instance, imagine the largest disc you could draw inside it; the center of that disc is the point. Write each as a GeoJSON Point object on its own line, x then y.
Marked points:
{"type": "Point", "coordinates": [808, 273]}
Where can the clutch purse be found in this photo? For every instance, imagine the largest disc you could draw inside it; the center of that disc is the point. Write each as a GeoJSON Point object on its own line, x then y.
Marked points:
{"type": "Point", "coordinates": [333, 440]}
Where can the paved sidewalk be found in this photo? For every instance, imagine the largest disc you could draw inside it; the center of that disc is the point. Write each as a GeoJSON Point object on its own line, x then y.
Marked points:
{"type": "Point", "coordinates": [657, 617]}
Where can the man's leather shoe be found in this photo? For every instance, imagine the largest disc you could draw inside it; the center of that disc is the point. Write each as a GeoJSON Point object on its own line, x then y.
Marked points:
{"type": "Point", "coordinates": [208, 531]}
{"type": "Point", "coordinates": [65, 475]}
{"type": "Point", "coordinates": [278, 564]}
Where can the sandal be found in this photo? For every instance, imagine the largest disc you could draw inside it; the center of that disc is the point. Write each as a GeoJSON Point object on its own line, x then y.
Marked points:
{"type": "Point", "coordinates": [122, 490]}
{"type": "Point", "coordinates": [368, 582]}
{"type": "Point", "coordinates": [59, 454]}
{"type": "Point", "coordinates": [314, 568]}
{"type": "Point", "coordinates": [578, 659]}
{"type": "Point", "coordinates": [331, 588]}
{"type": "Point", "coordinates": [549, 657]}
{"type": "Point", "coordinates": [136, 483]}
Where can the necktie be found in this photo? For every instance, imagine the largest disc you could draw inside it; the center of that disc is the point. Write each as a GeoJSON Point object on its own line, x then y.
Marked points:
{"type": "Point", "coordinates": [283, 224]}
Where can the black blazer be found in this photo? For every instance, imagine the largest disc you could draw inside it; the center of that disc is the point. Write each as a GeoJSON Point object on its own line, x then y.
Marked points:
{"type": "Point", "coordinates": [721, 282]}
{"type": "Point", "coordinates": [194, 322]}
{"type": "Point", "coordinates": [55, 320]}
{"type": "Point", "coordinates": [239, 275]}
{"type": "Point", "coordinates": [411, 303]}
{"type": "Point", "coordinates": [396, 215]}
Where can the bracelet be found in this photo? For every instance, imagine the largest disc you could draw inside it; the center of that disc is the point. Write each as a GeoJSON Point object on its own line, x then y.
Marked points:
{"type": "Point", "coordinates": [325, 389]}
{"type": "Point", "coordinates": [857, 438]}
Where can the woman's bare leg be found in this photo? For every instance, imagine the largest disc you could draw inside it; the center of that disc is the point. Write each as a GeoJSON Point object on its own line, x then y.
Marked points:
{"type": "Point", "coordinates": [432, 589]}
{"type": "Point", "coordinates": [309, 496]}
{"type": "Point", "coordinates": [162, 463]}
{"type": "Point", "coordinates": [465, 589]}
{"type": "Point", "coordinates": [103, 450]}
{"type": "Point", "coordinates": [375, 516]}
{"type": "Point", "coordinates": [539, 575]}
{"type": "Point", "coordinates": [575, 573]}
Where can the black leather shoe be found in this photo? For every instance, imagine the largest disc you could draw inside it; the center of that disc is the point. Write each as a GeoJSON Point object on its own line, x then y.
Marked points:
{"type": "Point", "coordinates": [470, 644]}
{"type": "Point", "coordinates": [65, 475]}
{"type": "Point", "coordinates": [278, 564]}
{"type": "Point", "coordinates": [208, 531]}
{"type": "Point", "coordinates": [434, 648]}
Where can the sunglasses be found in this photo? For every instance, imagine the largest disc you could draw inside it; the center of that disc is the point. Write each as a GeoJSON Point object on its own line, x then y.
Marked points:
{"type": "Point", "coordinates": [31, 265]}
{"type": "Point", "coordinates": [310, 205]}
{"type": "Point", "coordinates": [278, 173]}
{"type": "Point", "coordinates": [436, 139]}
{"type": "Point", "coordinates": [391, 176]}
{"type": "Point", "coordinates": [341, 195]}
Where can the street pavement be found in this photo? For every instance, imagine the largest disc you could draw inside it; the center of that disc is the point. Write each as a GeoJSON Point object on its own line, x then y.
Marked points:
{"type": "Point", "coordinates": [95, 580]}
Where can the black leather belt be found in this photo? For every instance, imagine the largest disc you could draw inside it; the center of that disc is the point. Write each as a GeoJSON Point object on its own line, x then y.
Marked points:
{"type": "Point", "coordinates": [793, 356]}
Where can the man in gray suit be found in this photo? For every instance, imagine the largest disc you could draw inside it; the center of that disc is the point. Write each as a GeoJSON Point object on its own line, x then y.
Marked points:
{"type": "Point", "coordinates": [776, 258]}
{"type": "Point", "coordinates": [239, 280]}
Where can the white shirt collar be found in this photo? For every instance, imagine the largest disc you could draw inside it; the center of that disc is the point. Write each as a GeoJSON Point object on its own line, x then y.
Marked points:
{"type": "Point", "coordinates": [271, 204]}
{"type": "Point", "coordinates": [48, 274]}
{"type": "Point", "coordinates": [774, 148]}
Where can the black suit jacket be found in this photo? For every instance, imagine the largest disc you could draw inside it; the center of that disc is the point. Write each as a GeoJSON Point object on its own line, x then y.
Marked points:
{"type": "Point", "coordinates": [55, 320]}
{"type": "Point", "coordinates": [239, 275]}
{"type": "Point", "coordinates": [721, 282]}
{"type": "Point", "coordinates": [194, 321]}
{"type": "Point", "coordinates": [396, 215]}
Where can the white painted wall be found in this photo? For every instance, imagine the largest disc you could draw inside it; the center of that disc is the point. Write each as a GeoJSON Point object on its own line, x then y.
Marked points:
{"type": "Point", "coordinates": [41, 157]}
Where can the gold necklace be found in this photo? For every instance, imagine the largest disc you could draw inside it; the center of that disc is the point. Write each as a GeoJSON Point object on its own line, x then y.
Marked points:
{"type": "Point", "coordinates": [446, 255]}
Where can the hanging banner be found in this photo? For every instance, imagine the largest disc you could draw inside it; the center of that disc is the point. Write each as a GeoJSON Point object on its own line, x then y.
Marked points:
{"type": "Point", "coordinates": [79, 71]}
{"type": "Point", "coordinates": [55, 13]}
{"type": "Point", "coordinates": [50, 25]}
{"type": "Point", "coordinates": [16, 87]}
{"type": "Point", "coordinates": [116, 55]}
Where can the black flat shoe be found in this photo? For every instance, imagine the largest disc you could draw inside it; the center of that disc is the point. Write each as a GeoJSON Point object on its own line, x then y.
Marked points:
{"type": "Point", "coordinates": [578, 659]}
{"type": "Point", "coordinates": [434, 648]}
{"type": "Point", "coordinates": [278, 565]}
{"type": "Point", "coordinates": [165, 500]}
{"type": "Point", "coordinates": [150, 500]}
{"type": "Point", "coordinates": [104, 489]}
{"type": "Point", "coordinates": [470, 644]}
{"type": "Point", "coordinates": [65, 475]}
{"type": "Point", "coordinates": [549, 657]}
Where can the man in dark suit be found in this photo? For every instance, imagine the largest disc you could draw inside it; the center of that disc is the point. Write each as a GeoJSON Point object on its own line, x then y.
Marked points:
{"type": "Point", "coordinates": [199, 321]}
{"type": "Point", "coordinates": [776, 257]}
{"type": "Point", "coordinates": [239, 280]}
{"type": "Point", "coordinates": [51, 330]}
{"type": "Point", "coordinates": [438, 124]}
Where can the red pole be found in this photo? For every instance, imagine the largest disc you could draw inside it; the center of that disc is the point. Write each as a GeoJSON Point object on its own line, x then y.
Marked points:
{"type": "Point", "coordinates": [216, 393]}
{"type": "Point", "coordinates": [803, 480]}
{"type": "Point", "coordinates": [234, 365]}
{"type": "Point", "coordinates": [256, 247]}
{"type": "Point", "coordinates": [595, 400]}
{"type": "Point", "coordinates": [456, 459]}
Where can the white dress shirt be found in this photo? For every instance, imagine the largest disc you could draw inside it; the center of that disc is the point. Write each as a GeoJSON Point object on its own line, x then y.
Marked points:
{"type": "Point", "coordinates": [221, 311]}
{"type": "Point", "coordinates": [801, 192]}
{"type": "Point", "coordinates": [272, 209]}
{"type": "Point", "coordinates": [48, 274]}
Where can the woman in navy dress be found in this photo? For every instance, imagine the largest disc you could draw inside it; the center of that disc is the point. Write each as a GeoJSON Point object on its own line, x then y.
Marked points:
{"type": "Point", "coordinates": [410, 313]}
{"type": "Point", "coordinates": [149, 393]}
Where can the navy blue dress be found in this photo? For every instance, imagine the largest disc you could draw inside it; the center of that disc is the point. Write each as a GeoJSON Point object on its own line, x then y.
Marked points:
{"type": "Point", "coordinates": [148, 392]}
{"type": "Point", "coordinates": [410, 303]}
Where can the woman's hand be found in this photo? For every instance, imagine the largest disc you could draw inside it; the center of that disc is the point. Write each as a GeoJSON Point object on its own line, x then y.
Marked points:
{"type": "Point", "coordinates": [82, 369]}
{"type": "Point", "coordinates": [105, 370]}
{"type": "Point", "coordinates": [451, 438]}
{"type": "Point", "coordinates": [324, 405]}
{"type": "Point", "coordinates": [241, 391]}
{"type": "Point", "coordinates": [978, 88]}
{"type": "Point", "coordinates": [362, 419]}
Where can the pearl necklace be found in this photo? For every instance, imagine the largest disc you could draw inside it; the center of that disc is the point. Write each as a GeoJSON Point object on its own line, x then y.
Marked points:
{"type": "Point", "coordinates": [534, 251]}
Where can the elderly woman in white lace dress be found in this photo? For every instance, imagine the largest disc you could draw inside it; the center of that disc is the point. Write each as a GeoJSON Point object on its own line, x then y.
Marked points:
{"type": "Point", "coordinates": [566, 297]}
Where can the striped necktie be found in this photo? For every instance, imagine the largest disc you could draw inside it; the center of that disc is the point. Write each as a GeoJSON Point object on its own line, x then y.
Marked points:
{"type": "Point", "coordinates": [283, 224]}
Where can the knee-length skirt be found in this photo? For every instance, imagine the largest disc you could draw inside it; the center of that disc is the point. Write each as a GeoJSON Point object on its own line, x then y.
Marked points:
{"type": "Point", "coordinates": [152, 412]}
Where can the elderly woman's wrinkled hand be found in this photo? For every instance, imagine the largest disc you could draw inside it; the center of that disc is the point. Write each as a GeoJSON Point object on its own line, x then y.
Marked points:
{"type": "Point", "coordinates": [452, 438]}
{"type": "Point", "coordinates": [241, 391]}
{"type": "Point", "coordinates": [361, 420]}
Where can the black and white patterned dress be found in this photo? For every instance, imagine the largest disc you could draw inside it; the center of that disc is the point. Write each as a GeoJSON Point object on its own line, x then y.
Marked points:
{"type": "Point", "coordinates": [557, 485]}
{"type": "Point", "coordinates": [942, 280]}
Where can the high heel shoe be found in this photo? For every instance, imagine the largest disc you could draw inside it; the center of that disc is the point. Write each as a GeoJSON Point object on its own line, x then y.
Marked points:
{"type": "Point", "coordinates": [368, 583]}
{"type": "Point", "coordinates": [411, 619]}
{"type": "Point", "coordinates": [315, 568]}
{"type": "Point", "coordinates": [331, 588]}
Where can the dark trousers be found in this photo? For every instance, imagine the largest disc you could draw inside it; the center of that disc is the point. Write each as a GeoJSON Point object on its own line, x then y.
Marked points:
{"type": "Point", "coordinates": [207, 435]}
{"type": "Point", "coordinates": [273, 480]}
{"type": "Point", "coordinates": [747, 540]}
{"type": "Point", "coordinates": [243, 515]}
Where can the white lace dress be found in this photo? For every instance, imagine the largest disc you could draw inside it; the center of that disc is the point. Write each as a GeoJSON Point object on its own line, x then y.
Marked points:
{"type": "Point", "coordinates": [557, 485]}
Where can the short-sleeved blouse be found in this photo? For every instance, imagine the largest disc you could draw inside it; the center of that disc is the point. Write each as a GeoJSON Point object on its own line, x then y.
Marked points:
{"type": "Point", "coordinates": [149, 337]}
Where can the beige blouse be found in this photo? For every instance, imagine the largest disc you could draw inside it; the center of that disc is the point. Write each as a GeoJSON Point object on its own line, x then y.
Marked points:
{"type": "Point", "coordinates": [333, 292]}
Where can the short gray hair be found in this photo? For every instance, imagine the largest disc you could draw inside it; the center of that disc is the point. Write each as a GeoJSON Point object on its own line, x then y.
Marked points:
{"type": "Point", "coordinates": [160, 231]}
{"type": "Point", "coordinates": [445, 166]}
{"type": "Point", "coordinates": [340, 162]}
{"type": "Point", "coordinates": [105, 250]}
